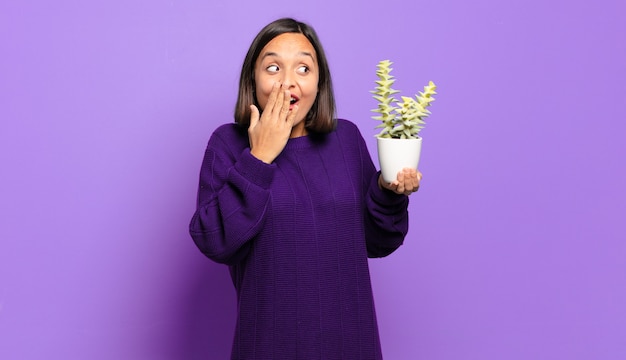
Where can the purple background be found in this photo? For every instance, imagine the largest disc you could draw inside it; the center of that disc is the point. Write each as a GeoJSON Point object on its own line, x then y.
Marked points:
{"type": "Point", "coordinates": [517, 244]}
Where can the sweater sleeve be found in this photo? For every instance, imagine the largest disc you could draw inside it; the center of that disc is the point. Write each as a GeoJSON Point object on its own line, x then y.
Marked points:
{"type": "Point", "coordinates": [386, 215]}
{"type": "Point", "coordinates": [387, 219]}
{"type": "Point", "coordinates": [233, 196]}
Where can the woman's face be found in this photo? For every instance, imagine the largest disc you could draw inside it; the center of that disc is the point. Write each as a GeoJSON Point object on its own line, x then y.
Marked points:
{"type": "Point", "coordinates": [290, 60]}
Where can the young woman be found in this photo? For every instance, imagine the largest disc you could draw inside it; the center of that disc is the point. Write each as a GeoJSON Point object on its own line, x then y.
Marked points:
{"type": "Point", "coordinates": [290, 200]}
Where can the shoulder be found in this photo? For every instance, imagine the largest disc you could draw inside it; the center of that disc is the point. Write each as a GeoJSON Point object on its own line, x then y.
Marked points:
{"type": "Point", "coordinates": [348, 129]}
{"type": "Point", "coordinates": [346, 125]}
{"type": "Point", "coordinates": [229, 136]}
{"type": "Point", "coordinates": [230, 133]}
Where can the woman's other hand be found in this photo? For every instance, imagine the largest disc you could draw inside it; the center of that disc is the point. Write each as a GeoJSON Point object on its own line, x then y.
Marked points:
{"type": "Point", "coordinates": [406, 183]}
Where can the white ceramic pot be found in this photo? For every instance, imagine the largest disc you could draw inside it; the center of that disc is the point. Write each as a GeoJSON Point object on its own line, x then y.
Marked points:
{"type": "Point", "coordinates": [397, 154]}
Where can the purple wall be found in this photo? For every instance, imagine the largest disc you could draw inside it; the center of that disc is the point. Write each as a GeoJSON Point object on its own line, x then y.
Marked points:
{"type": "Point", "coordinates": [517, 245]}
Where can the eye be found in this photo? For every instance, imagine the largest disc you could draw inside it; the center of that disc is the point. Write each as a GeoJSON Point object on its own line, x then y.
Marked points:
{"type": "Point", "coordinates": [272, 68]}
{"type": "Point", "coordinates": [303, 69]}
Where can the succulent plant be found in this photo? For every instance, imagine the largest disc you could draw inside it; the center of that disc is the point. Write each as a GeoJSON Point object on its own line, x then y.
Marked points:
{"type": "Point", "coordinates": [400, 119]}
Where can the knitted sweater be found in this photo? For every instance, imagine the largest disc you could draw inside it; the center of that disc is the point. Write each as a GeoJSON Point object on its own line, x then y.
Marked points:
{"type": "Point", "coordinates": [296, 235]}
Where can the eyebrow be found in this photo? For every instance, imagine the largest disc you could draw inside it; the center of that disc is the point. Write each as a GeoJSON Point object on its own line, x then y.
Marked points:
{"type": "Point", "coordinates": [301, 53]}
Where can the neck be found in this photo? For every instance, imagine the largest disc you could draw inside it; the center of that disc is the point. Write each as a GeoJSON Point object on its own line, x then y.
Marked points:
{"type": "Point", "coordinates": [298, 130]}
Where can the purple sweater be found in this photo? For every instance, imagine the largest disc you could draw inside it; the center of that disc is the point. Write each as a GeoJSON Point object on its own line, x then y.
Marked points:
{"type": "Point", "coordinates": [296, 235]}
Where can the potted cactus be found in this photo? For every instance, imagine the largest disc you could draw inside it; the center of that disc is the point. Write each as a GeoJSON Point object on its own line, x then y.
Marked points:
{"type": "Point", "coordinates": [399, 143]}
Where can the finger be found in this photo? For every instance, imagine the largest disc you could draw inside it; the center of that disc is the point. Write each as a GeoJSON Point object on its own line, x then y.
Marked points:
{"type": "Point", "coordinates": [409, 185]}
{"type": "Point", "coordinates": [406, 183]}
{"type": "Point", "coordinates": [254, 116]}
{"type": "Point", "coordinates": [400, 179]}
{"type": "Point", "coordinates": [278, 104]}
{"type": "Point", "coordinates": [292, 115]}
{"type": "Point", "coordinates": [416, 180]}
{"type": "Point", "coordinates": [412, 179]}
{"type": "Point", "coordinates": [271, 101]}
{"type": "Point", "coordinates": [286, 104]}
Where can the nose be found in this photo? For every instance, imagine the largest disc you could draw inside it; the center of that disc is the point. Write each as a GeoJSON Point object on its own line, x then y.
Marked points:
{"type": "Point", "coordinates": [288, 80]}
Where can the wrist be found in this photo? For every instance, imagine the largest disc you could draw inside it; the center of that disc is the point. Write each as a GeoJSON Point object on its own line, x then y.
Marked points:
{"type": "Point", "coordinates": [263, 157]}
{"type": "Point", "coordinates": [381, 182]}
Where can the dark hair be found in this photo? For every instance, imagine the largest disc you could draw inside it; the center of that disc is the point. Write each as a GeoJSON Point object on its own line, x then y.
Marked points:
{"type": "Point", "coordinates": [321, 117]}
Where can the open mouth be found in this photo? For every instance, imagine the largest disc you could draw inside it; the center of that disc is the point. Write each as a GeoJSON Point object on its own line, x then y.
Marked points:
{"type": "Point", "coordinates": [294, 99]}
